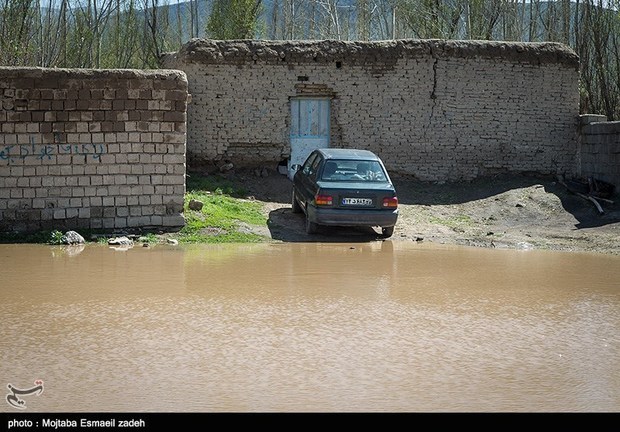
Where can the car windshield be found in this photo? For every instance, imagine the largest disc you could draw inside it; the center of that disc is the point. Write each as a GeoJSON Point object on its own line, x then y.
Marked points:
{"type": "Point", "coordinates": [353, 170]}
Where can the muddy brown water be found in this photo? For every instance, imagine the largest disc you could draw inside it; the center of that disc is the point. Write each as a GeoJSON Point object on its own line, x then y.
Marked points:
{"type": "Point", "coordinates": [306, 327]}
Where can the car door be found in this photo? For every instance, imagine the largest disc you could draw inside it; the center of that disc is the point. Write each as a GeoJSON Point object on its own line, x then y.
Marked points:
{"type": "Point", "coordinates": [308, 178]}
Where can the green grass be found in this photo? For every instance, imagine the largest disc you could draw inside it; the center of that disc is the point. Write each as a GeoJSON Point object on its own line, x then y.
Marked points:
{"type": "Point", "coordinates": [45, 236]}
{"type": "Point", "coordinates": [55, 237]}
{"type": "Point", "coordinates": [223, 215]}
{"type": "Point", "coordinates": [453, 222]}
{"type": "Point", "coordinates": [214, 183]}
{"type": "Point", "coordinates": [149, 238]}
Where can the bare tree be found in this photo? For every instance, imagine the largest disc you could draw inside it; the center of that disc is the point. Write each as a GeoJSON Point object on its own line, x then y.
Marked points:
{"type": "Point", "coordinates": [512, 18]}
{"type": "Point", "coordinates": [431, 18]}
{"type": "Point", "coordinates": [599, 51]}
{"type": "Point", "coordinates": [156, 30]}
{"type": "Point", "coordinates": [289, 19]}
{"type": "Point", "coordinates": [16, 19]}
{"type": "Point", "coordinates": [364, 19]}
{"type": "Point", "coordinates": [329, 18]}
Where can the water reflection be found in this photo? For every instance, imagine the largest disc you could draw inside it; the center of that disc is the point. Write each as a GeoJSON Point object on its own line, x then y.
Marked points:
{"type": "Point", "coordinates": [377, 326]}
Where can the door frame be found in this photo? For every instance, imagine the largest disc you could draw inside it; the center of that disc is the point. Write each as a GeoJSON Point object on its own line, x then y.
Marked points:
{"type": "Point", "coordinates": [303, 142]}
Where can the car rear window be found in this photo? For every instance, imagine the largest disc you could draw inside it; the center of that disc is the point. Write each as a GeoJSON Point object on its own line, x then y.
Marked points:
{"type": "Point", "coordinates": [353, 170]}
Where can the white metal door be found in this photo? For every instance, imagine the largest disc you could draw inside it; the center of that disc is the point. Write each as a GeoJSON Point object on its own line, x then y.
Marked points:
{"type": "Point", "coordinates": [309, 128]}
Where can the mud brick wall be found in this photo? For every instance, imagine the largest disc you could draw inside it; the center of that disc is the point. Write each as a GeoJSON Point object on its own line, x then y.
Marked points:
{"type": "Point", "coordinates": [438, 110]}
{"type": "Point", "coordinates": [91, 149]}
{"type": "Point", "coordinates": [600, 149]}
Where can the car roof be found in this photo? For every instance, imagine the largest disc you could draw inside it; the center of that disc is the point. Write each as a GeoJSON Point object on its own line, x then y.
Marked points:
{"type": "Point", "coordinates": [341, 153]}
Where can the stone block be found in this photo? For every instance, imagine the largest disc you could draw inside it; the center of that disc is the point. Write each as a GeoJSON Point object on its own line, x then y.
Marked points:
{"type": "Point", "coordinates": [120, 222]}
{"type": "Point", "coordinates": [173, 221]}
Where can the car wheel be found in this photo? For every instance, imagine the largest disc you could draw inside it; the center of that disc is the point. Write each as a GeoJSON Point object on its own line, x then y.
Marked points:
{"type": "Point", "coordinates": [387, 231]}
{"type": "Point", "coordinates": [311, 227]}
{"type": "Point", "coordinates": [294, 204]}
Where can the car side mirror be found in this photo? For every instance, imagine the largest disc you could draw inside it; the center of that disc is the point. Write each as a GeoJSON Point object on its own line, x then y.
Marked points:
{"type": "Point", "coordinates": [295, 167]}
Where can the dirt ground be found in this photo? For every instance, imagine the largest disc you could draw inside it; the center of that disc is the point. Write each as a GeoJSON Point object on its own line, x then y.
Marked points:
{"type": "Point", "coordinates": [508, 211]}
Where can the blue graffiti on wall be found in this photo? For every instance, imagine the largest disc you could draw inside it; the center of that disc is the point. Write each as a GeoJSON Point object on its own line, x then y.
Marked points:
{"type": "Point", "coordinates": [11, 153]}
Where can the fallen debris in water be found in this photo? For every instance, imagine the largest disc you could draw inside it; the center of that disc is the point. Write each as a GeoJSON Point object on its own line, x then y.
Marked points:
{"type": "Point", "coordinates": [120, 241]}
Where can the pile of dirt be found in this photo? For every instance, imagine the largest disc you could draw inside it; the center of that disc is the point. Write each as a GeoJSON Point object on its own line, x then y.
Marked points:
{"type": "Point", "coordinates": [506, 211]}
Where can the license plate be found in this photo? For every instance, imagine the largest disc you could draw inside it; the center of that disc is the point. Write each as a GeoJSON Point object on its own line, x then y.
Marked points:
{"type": "Point", "coordinates": [357, 201]}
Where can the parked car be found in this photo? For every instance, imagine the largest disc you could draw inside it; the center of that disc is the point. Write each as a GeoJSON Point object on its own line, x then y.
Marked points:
{"type": "Point", "coordinates": [345, 187]}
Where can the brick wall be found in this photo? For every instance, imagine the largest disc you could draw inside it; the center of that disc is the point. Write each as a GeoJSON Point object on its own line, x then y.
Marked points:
{"type": "Point", "coordinates": [95, 149]}
{"type": "Point", "coordinates": [439, 110]}
{"type": "Point", "coordinates": [600, 149]}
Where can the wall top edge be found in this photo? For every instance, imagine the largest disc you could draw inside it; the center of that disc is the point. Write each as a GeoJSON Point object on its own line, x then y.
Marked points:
{"type": "Point", "coordinates": [10, 72]}
{"type": "Point", "coordinates": [361, 52]}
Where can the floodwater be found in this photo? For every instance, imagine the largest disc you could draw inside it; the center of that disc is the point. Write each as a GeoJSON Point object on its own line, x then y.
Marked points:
{"type": "Point", "coordinates": [309, 327]}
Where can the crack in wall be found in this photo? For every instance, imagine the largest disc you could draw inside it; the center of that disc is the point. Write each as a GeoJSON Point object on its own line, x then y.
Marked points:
{"type": "Point", "coordinates": [433, 92]}
{"type": "Point", "coordinates": [434, 102]}
{"type": "Point", "coordinates": [435, 61]}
